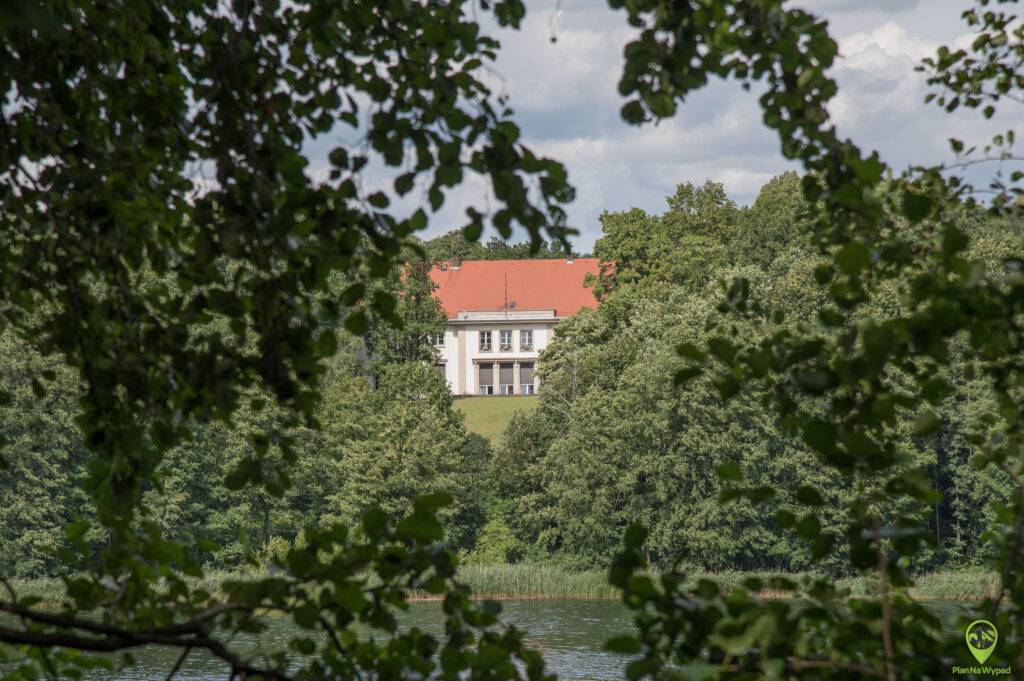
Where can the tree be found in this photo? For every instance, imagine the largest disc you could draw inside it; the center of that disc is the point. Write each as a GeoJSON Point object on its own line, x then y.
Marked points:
{"type": "Point", "coordinates": [41, 486]}
{"type": "Point", "coordinates": [778, 221]}
{"type": "Point", "coordinates": [414, 443]}
{"type": "Point", "coordinates": [614, 442]}
{"type": "Point", "coordinates": [454, 244]}
{"type": "Point", "coordinates": [678, 247]}
{"type": "Point", "coordinates": [376, 448]}
{"type": "Point", "coordinates": [852, 385]}
{"type": "Point", "coordinates": [420, 315]}
{"type": "Point", "coordinates": [170, 299]}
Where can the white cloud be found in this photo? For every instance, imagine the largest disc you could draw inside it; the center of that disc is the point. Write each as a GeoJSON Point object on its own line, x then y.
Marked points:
{"type": "Point", "coordinates": [863, 6]}
{"type": "Point", "coordinates": [889, 39]}
{"type": "Point", "coordinates": [565, 98]}
{"type": "Point", "coordinates": [881, 96]}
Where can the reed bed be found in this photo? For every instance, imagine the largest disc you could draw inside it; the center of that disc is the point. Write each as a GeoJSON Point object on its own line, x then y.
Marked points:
{"type": "Point", "coordinates": [537, 582]}
{"type": "Point", "coordinates": [547, 582]}
{"type": "Point", "coordinates": [959, 585]}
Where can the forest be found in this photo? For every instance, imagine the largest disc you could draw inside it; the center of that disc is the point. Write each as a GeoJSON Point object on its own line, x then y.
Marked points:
{"type": "Point", "coordinates": [614, 441]}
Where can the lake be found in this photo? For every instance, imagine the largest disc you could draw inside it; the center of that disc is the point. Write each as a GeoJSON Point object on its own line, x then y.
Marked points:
{"type": "Point", "coordinates": [570, 635]}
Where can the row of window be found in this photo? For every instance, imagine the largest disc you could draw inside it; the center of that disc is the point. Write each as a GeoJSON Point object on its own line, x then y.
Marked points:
{"type": "Point", "coordinates": [506, 389]}
{"type": "Point", "coordinates": [505, 341]}
{"type": "Point", "coordinates": [505, 385]}
{"type": "Point", "coordinates": [505, 378]}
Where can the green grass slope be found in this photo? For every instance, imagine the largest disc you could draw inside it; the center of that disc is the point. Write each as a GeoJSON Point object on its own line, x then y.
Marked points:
{"type": "Point", "coordinates": [488, 416]}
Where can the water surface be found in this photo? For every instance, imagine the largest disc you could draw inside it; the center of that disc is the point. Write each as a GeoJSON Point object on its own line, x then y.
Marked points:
{"type": "Point", "coordinates": [570, 635]}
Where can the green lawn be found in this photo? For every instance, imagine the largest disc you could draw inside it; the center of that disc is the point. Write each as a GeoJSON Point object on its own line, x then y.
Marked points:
{"type": "Point", "coordinates": [488, 416]}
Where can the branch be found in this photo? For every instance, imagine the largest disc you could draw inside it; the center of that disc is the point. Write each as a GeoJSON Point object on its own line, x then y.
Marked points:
{"type": "Point", "coordinates": [978, 161]}
{"type": "Point", "coordinates": [890, 652]}
{"type": "Point", "coordinates": [177, 665]}
{"type": "Point", "coordinates": [50, 671]}
{"type": "Point", "coordinates": [1018, 541]}
{"type": "Point", "coordinates": [114, 639]}
{"type": "Point", "coordinates": [1014, 475]}
{"type": "Point", "coordinates": [341, 648]}
{"type": "Point", "coordinates": [193, 625]}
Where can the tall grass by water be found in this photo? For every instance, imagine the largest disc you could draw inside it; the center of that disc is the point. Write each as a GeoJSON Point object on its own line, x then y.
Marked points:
{"type": "Point", "coordinates": [538, 582]}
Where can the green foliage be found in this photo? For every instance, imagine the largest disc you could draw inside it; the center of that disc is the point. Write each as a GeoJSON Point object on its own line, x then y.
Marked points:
{"type": "Point", "coordinates": [545, 581]}
{"type": "Point", "coordinates": [614, 441]}
{"type": "Point", "coordinates": [374, 447]}
{"type": "Point", "coordinates": [496, 545]}
{"type": "Point", "coordinates": [175, 306]}
{"type": "Point", "coordinates": [680, 246]}
{"type": "Point", "coordinates": [419, 314]}
{"type": "Point", "coordinates": [413, 442]}
{"type": "Point", "coordinates": [111, 112]}
{"type": "Point", "coordinates": [906, 301]}
{"type": "Point", "coordinates": [776, 223]}
{"type": "Point", "coordinates": [41, 486]}
{"type": "Point", "coordinates": [175, 302]}
{"type": "Point", "coordinates": [455, 245]}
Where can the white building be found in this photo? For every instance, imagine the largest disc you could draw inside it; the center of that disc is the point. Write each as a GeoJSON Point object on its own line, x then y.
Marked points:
{"type": "Point", "coordinates": [501, 314]}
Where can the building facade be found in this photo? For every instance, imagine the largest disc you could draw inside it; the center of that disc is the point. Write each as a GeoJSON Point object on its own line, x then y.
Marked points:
{"type": "Point", "coordinates": [501, 314]}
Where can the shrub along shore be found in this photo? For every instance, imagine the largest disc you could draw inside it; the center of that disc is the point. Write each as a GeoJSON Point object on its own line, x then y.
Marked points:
{"type": "Point", "coordinates": [533, 582]}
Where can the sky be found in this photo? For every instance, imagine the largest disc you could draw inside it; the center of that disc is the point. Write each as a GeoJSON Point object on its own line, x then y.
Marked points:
{"type": "Point", "coordinates": [566, 103]}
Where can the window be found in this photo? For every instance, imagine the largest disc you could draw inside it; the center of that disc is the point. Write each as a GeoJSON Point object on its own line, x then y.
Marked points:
{"type": "Point", "coordinates": [526, 386]}
{"type": "Point", "coordinates": [526, 341]}
{"type": "Point", "coordinates": [506, 378]}
{"type": "Point", "coordinates": [487, 379]}
{"type": "Point", "coordinates": [485, 341]}
{"type": "Point", "coordinates": [441, 367]}
{"type": "Point", "coordinates": [437, 339]}
{"type": "Point", "coordinates": [505, 340]}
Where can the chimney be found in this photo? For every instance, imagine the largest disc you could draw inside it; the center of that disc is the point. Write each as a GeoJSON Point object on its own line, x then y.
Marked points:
{"type": "Point", "coordinates": [456, 262]}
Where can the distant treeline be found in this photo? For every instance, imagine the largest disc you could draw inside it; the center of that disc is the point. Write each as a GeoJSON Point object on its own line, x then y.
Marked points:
{"type": "Point", "coordinates": [613, 441]}
{"type": "Point", "coordinates": [454, 245]}
{"type": "Point", "coordinates": [375, 447]}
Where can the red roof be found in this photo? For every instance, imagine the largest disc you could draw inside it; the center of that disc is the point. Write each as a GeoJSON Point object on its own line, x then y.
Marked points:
{"type": "Point", "coordinates": [480, 285]}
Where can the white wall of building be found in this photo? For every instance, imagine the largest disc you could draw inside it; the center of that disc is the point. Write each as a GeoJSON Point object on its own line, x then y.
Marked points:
{"type": "Point", "coordinates": [448, 354]}
{"type": "Point", "coordinates": [459, 363]}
